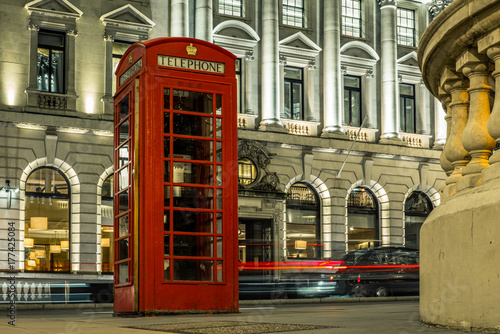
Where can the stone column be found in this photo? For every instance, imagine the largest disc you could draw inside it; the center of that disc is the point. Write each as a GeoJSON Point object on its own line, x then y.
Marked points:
{"type": "Point", "coordinates": [369, 96]}
{"type": "Point", "coordinates": [332, 75]}
{"type": "Point", "coordinates": [204, 20]}
{"type": "Point", "coordinates": [423, 122]}
{"type": "Point", "coordinates": [179, 18]}
{"type": "Point", "coordinates": [491, 45]}
{"type": "Point", "coordinates": [270, 82]}
{"type": "Point", "coordinates": [248, 77]}
{"type": "Point", "coordinates": [456, 86]}
{"type": "Point", "coordinates": [476, 138]}
{"type": "Point", "coordinates": [389, 73]}
{"type": "Point", "coordinates": [309, 91]}
{"type": "Point", "coordinates": [32, 85]}
{"type": "Point", "coordinates": [107, 98]}
{"type": "Point", "coordinates": [70, 70]}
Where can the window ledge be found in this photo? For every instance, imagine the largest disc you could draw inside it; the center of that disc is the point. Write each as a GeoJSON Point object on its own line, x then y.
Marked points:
{"type": "Point", "coordinates": [366, 134]}
{"type": "Point", "coordinates": [415, 140]}
{"type": "Point", "coordinates": [50, 101]}
{"type": "Point", "coordinates": [302, 128]}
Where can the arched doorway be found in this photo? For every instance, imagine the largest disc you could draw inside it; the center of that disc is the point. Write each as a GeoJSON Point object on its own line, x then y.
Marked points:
{"type": "Point", "coordinates": [417, 207]}
{"type": "Point", "coordinates": [363, 228]}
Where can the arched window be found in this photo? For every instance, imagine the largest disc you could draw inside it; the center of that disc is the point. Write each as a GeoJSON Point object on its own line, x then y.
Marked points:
{"type": "Point", "coordinates": [302, 223]}
{"type": "Point", "coordinates": [417, 208]}
{"type": "Point", "coordinates": [107, 226]}
{"type": "Point", "coordinates": [363, 223]}
{"type": "Point", "coordinates": [47, 227]}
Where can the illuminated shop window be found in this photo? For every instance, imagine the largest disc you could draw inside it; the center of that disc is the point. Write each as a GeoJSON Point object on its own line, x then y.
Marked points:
{"type": "Point", "coordinates": [363, 224]}
{"type": "Point", "coordinates": [47, 222]}
{"type": "Point", "coordinates": [302, 223]}
{"type": "Point", "coordinates": [50, 62]}
{"type": "Point", "coordinates": [107, 226]}
{"type": "Point", "coordinates": [247, 172]}
{"type": "Point", "coordinates": [417, 207]}
{"type": "Point", "coordinates": [231, 7]}
{"type": "Point", "coordinates": [293, 13]}
{"type": "Point", "coordinates": [351, 18]}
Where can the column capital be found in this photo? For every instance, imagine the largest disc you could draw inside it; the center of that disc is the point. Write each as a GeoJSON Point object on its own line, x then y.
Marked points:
{"type": "Point", "coordinates": [72, 32]}
{"type": "Point", "coordinates": [249, 56]}
{"type": "Point", "coordinates": [312, 65]}
{"type": "Point", "coordinates": [109, 38]}
{"type": "Point", "coordinates": [282, 60]}
{"type": "Point", "coordinates": [437, 6]}
{"type": "Point", "coordinates": [384, 3]}
{"type": "Point", "coordinates": [33, 27]}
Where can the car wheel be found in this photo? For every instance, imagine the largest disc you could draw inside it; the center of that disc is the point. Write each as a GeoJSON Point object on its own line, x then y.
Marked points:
{"type": "Point", "coordinates": [381, 292]}
{"type": "Point", "coordinates": [359, 290]}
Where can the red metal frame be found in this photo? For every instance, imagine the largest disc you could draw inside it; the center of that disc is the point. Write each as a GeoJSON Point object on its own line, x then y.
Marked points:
{"type": "Point", "coordinates": [164, 276]}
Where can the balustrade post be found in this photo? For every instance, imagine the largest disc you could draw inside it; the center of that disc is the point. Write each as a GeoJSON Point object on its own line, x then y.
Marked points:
{"type": "Point", "coordinates": [445, 163]}
{"type": "Point", "coordinates": [491, 45]}
{"type": "Point", "coordinates": [455, 85]}
{"type": "Point", "coordinates": [476, 138]}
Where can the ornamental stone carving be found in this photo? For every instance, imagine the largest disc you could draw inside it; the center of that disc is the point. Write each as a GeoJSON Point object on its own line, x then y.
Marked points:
{"type": "Point", "coordinates": [266, 181]}
{"type": "Point", "coordinates": [437, 6]}
{"type": "Point", "coordinates": [383, 3]}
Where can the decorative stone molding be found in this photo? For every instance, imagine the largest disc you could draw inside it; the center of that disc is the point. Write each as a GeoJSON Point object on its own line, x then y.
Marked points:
{"type": "Point", "coordinates": [302, 128]}
{"type": "Point", "coordinates": [415, 140]}
{"type": "Point", "coordinates": [246, 121]}
{"type": "Point", "coordinates": [437, 6]}
{"type": "Point", "coordinates": [366, 134]}
{"type": "Point", "coordinates": [265, 181]}
{"type": "Point", "coordinates": [383, 3]}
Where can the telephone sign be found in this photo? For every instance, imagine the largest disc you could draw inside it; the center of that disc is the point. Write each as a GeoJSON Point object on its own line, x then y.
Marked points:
{"type": "Point", "coordinates": [175, 178]}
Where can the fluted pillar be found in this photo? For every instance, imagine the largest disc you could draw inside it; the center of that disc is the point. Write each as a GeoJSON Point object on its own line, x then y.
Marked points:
{"type": "Point", "coordinates": [203, 20]}
{"type": "Point", "coordinates": [179, 18]}
{"type": "Point", "coordinates": [332, 75]}
{"type": "Point", "coordinates": [476, 138]}
{"type": "Point", "coordinates": [270, 81]}
{"type": "Point", "coordinates": [456, 85]}
{"type": "Point", "coordinates": [248, 77]}
{"type": "Point", "coordinates": [491, 45]}
{"type": "Point", "coordinates": [388, 61]}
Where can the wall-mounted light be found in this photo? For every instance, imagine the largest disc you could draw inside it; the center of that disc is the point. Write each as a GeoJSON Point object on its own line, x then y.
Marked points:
{"type": "Point", "coordinates": [11, 97]}
{"type": "Point", "coordinates": [89, 104]}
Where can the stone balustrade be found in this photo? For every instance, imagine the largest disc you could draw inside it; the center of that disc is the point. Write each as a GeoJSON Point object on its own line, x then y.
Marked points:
{"type": "Point", "coordinates": [301, 128]}
{"type": "Point", "coordinates": [459, 56]}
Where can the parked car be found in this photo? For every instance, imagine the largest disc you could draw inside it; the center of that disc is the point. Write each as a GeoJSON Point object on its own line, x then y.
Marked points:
{"type": "Point", "coordinates": [380, 271]}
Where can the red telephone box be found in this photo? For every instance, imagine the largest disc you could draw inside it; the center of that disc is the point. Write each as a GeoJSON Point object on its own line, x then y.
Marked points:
{"type": "Point", "coordinates": [175, 178]}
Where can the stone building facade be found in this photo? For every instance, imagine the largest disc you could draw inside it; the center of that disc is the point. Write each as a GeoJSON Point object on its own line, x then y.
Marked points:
{"type": "Point", "coordinates": [339, 139]}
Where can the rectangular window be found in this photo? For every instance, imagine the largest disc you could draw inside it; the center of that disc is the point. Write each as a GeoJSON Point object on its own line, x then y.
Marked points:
{"type": "Point", "coordinates": [294, 84]}
{"type": "Point", "coordinates": [406, 27]}
{"type": "Point", "coordinates": [352, 100]}
{"type": "Point", "coordinates": [407, 107]}
{"type": "Point", "coordinates": [351, 18]}
{"type": "Point", "coordinates": [231, 7]}
{"type": "Point", "coordinates": [293, 13]}
{"type": "Point", "coordinates": [50, 62]}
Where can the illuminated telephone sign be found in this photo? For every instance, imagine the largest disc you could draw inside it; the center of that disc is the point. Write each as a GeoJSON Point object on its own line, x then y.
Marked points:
{"type": "Point", "coordinates": [175, 189]}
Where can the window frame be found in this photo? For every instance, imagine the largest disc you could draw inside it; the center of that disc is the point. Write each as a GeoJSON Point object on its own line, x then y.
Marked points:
{"type": "Point", "coordinates": [292, 81]}
{"type": "Point", "coordinates": [403, 124]}
{"type": "Point", "coordinates": [353, 18]}
{"type": "Point", "coordinates": [223, 3]}
{"type": "Point", "coordinates": [350, 111]}
{"type": "Point", "coordinates": [402, 39]}
{"type": "Point", "coordinates": [288, 20]}
{"type": "Point", "coordinates": [51, 48]}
